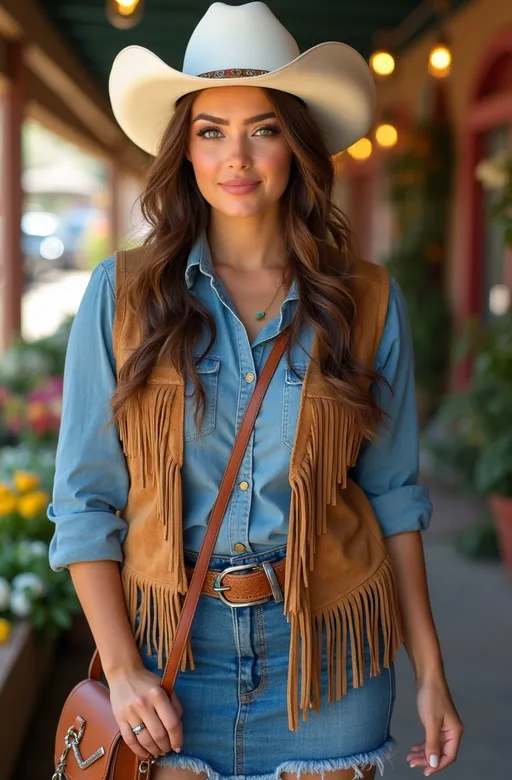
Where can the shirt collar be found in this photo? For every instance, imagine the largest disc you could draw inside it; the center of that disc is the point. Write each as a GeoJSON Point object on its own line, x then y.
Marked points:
{"type": "Point", "coordinates": [200, 259]}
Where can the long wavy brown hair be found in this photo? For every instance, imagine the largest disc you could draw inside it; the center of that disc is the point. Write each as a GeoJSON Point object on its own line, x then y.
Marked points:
{"type": "Point", "coordinates": [320, 260]}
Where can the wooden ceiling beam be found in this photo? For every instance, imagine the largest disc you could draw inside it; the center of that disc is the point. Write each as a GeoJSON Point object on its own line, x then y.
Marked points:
{"type": "Point", "coordinates": [47, 107]}
{"type": "Point", "coordinates": [51, 59]}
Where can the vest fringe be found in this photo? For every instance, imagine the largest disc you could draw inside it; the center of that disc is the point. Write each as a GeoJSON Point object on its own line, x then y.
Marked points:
{"type": "Point", "coordinates": [145, 431]}
{"type": "Point", "coordinates": [371, 606]}
{"type": "Point", "coordinates": [154, 610]}
{"type": "Point", "coordinates": [333, 447]}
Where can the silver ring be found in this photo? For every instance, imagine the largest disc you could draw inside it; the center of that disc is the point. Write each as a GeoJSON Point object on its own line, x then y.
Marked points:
{"type": "Point", "coordinates": [138, 729]}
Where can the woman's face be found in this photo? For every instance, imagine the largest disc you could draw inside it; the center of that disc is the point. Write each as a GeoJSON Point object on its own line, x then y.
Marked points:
{"type": "Point", "coordinates": [240, 157]}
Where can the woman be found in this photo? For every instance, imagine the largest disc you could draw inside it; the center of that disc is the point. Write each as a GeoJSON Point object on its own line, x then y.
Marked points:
{"type": "Point", "coordinates": [244, 244]}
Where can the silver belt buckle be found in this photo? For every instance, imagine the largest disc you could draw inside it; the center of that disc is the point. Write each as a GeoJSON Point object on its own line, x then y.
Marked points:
{"type": "Point", "coordinates": [219, 588]}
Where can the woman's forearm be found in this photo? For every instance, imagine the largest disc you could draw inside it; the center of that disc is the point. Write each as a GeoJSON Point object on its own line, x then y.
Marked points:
{"type": "Point", "coordinates": [99, 589]}
{"type": "Point", "coordinates": [420, 636]}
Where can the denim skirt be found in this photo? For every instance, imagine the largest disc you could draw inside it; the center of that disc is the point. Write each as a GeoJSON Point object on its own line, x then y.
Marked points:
{"type": "Point", "coordinates": [235, 721]}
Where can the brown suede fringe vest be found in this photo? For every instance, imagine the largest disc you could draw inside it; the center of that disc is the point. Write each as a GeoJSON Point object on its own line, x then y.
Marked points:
{"type": "Point", "coordinates": [338, 574]}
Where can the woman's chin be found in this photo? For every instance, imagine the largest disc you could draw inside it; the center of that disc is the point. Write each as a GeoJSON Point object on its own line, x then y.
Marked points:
{"type": "Point", "coordinates": [243, 210]}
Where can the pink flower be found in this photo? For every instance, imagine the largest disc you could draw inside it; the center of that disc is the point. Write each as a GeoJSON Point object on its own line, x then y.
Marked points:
{"type": "Point", "coordinates": [44, 406]}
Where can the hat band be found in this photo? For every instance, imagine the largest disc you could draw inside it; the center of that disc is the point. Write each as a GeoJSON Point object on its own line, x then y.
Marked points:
{"type": "Point", "coordinates": [232, 73]}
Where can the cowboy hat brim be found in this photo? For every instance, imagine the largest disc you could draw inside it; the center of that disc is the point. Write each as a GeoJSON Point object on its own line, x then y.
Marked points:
{"type": "Point", "coordinates": [332, 79]}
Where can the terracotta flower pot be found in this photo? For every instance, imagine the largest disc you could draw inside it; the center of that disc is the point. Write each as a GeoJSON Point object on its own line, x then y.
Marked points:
{"type": "Point", "coordinates": [501, 508]}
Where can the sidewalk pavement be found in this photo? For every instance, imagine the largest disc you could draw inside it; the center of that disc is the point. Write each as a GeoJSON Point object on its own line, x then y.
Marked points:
{"type": "Point", "coordinates": [472, 606]}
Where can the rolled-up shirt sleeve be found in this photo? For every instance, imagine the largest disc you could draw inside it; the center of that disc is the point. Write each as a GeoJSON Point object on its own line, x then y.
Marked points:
{"type": "Point", "coordinates": [91, 479]}
{"type": "Point", "coordinates": [387, 470]}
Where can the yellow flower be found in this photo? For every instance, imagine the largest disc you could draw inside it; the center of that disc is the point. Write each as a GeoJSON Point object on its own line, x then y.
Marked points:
{"type": "Point", "coordinates": [33, 504]}
{"type": "Point", "coordinates": [4, 489]}
{"type": "Point", "coordinates": [25, 481]}
{"type": "Point", "coordinates": [7, 504]}
{"type": "Point", "coordinates": [5, 630]}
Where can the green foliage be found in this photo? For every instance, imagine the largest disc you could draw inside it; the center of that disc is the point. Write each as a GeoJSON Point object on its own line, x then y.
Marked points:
{"type": "Point", "coordinates": [29, 588]}
{"type": "Point", "coordinates": [481, 541]}
{"type": "Point", "coordinates": [477, 422]}
{"type": "Point", "coordinates": [420, 182]}
{"type": "Point", "coordinates": [429, 318]}
{"type": "Point", "coordinates": [495, 173]}
{"type": "Point", "coordinates": [49, 600]}
{"type": "Point", "coordinates": [26, 363]}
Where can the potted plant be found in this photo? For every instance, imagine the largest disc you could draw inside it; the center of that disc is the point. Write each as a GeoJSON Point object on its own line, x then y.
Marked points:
{"type": "Point", "coordinates": [477, 424]}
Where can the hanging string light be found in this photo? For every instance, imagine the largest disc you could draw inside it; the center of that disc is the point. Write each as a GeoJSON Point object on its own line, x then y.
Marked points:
{"type": "Point", "coordinates": [382, 63]}
{"type": "Point", "coordinates": [361, 150]}
{"type": "Point", "coordinates": [386, 135]}
{"type": "Point", "coordinates": [440, 59]}
{"type": "Point", "coordinates": [124, 14]}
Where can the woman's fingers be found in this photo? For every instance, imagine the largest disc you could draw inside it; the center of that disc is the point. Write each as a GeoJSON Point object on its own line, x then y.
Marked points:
{"type": "Point", "coordinates": [433, 742]}
{"type": "Point", "coordinates": [154, 737]}
{"type": "Point", "coordinates": [137, 697]}
{"type": "Point", "coordinates": [169, 715]}
{"type": "Point", "coordinates": [132, 741]}
{"type": "Point", "coordinates": [419, 755]}
{"type": "Point", "coordinates": [176, 704]}
{"type": "Point", "coordinates": [163, 730]}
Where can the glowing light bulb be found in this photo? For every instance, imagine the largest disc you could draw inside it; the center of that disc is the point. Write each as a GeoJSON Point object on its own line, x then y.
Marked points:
{"type": "Point", "coordinates": [440, 60]}
{"type": "Point", "coordinates": [124, 14]}
{"type": "Point", "coordinates": [386, 135]}
{"type": "Point", "coordinates": [382, 63]}
{"type": "Point", "coordinates": [361, 150]}
{"type": "Point", "coordinates": [127, 7]}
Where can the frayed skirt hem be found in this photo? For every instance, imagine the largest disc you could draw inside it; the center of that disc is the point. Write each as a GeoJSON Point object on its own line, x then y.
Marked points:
{"type": "Point", "coordinates": [359, 762]}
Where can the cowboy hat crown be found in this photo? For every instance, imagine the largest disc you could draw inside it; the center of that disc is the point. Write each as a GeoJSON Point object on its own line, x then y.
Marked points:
{"type": "Point", "coordinates": [244, 45]}
{"type": "Point", "coordinates": [245, 37]}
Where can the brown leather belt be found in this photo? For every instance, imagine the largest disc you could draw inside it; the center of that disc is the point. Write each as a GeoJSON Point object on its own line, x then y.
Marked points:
{"type": "Point", "coordinates": [261, 583]}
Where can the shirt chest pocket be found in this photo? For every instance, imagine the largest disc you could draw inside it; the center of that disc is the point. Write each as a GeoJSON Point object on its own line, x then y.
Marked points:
{"type": "Point", "coordinates": [292, 391]}
{"type": "Point", "coordinates": [208, 370]}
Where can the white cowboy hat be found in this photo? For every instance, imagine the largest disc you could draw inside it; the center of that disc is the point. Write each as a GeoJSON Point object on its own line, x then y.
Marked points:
{"type": "Point", "coordinates": [244, 45]}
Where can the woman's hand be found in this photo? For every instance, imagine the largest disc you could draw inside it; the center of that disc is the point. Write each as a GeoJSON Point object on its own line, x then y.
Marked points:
{"type": "Point", "coordinates": [137, 697]}
{"type": "Point", "coordinates": [443, 729]}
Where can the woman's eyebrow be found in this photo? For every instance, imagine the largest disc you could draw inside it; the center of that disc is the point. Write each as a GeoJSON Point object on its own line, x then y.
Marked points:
{"type": "Point", "coordinates": [219, 121]}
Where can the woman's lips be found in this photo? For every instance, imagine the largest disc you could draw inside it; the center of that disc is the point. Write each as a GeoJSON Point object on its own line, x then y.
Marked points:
{"type": "Point", "coordinates": [239, 186]}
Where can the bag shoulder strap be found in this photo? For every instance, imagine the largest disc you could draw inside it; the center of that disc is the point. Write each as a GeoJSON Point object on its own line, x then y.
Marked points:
{"type": "Point", "coordinates": [215, 521]}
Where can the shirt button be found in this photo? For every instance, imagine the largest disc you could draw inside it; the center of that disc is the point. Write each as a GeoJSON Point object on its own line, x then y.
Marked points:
{"type": "Point", "coordinates": [243, 485]}
{"type": "Point", "coordinates": [239, 547]}
{"type": "Point", "coordinates": [249, 378]}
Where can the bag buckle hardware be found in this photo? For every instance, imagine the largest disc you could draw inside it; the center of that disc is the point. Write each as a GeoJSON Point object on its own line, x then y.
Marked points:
{"type": "Point", "coordinates": [145, 765]}
{"type": "Point", "coordinates": [71, 742]}
{"type": "Point", "coordinates": [219, 588]}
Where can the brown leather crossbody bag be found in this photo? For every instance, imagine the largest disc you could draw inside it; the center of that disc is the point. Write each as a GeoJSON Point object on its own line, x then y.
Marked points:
{"type": "Point", "coordinates": [89, 744]}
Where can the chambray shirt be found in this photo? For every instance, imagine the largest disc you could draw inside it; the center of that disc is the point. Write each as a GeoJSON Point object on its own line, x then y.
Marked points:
{"type": "Point", "coordinates": [92, 480]}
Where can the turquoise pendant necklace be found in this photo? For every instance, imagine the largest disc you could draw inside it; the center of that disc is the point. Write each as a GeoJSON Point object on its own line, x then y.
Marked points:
{"type": "Point", "coordinates": [262, 314]}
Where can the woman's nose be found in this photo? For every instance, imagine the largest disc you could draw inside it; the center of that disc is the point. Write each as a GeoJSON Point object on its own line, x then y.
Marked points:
{"type": "Point", "coordinates": [239, 152]}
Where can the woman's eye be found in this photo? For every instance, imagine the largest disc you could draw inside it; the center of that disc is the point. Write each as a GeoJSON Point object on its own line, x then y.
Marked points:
{"type": "Point", "coordinates": [209, 132]}
{"type": "Point", "coordinates": [267, 131]}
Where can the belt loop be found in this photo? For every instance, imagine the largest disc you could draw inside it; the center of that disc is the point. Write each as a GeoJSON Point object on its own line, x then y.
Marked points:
{"type": "Point", "coordinates": [277, 593]}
